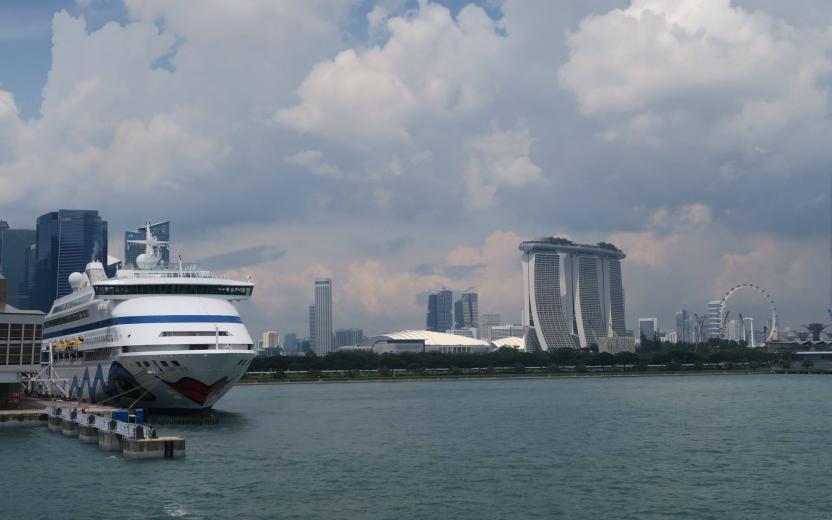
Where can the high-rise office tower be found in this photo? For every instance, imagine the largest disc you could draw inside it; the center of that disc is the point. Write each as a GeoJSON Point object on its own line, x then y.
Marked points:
{"type": "Point", "coordinates": [65, 242]}
{"type": "Point", "coordinates": [713, 322]}
{"type": "Point", "coordinates": [459, 318]}
{"type": "Point", "coordinates": [486, 323]}
{"type": "Point", "coordinates": [440, 308]}
{"type": "Point", "coordinates": [572, 293]}
{"type": "Point", "coordinates": [348, 337]}
{"type": "Point", "coordinates": [160, 230]}
{"type": "Point", "coordinates": [648, 328]}
{"type": "Point", "coordinates": [312, 325]}
{"type": "Point", "coordinates": [271, 339]}
{"type": "Point", "coordinates": [290, 342]}
{"type": "Point", "coordinates": [733, 330]}
{"type": "Point", "coordinates": [323, 316]}
{"type": "Point", "coordinates": [684, 327]}
{"type": "Point", "coordinates": [15, 263]}
{"type": "Point", "coordinates": [467, 310]}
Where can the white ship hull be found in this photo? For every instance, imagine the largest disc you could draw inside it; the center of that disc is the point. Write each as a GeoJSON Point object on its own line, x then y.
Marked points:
{"type": "Point", "coordinates": [151, 337]}
{"type": "Point", "coordinates": [191, 381]}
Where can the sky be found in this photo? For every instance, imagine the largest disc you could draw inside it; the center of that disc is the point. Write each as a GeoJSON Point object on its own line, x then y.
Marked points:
{"type": "Point", "coordinates": [404, 146]}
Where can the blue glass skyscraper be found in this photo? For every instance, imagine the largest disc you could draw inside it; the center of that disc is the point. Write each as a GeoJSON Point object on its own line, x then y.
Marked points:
{"type": "Point", "coordinates": [15, 260]}
{"type": "Point", "coordinates": [65, 241]}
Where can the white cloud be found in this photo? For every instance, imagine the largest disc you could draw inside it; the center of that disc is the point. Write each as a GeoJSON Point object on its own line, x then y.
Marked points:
{"type": "Point", "coordinates": [499, 158]}
{"type": "Point", "coordinates": [314, 161]}
{"type": "Point", "coordinates": [661, 64]}
{"type": "Point", "coordinates": [432, 66]}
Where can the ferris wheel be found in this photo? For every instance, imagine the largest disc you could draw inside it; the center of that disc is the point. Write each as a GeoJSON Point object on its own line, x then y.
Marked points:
{"type": "Point", "coordinates": [772, 334]}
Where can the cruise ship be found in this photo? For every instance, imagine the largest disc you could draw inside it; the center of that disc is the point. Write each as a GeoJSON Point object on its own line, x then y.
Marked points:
{"type": "Point", "coordinates": [154, 336]}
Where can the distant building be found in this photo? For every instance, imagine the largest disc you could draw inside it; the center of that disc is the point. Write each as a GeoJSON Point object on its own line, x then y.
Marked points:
{"type": "Point", "coordinates": [290, 342]}
{"type": "Point", "coordinates": [16, 263]}
{"type": "Point", "coordinates": [427, 341]}
{"type": "Point", "coordinates": [684, 327]}
{"type": "Point", "coordinates": [713, 321]}
{"type": "Point", "coordinates": [439, 317]}
{"type": "Point", "coordinates": [312, 324]}
{"type": "Point", "coordinates": [648, 328]}
{"type": "Point", "coordinates": [323, 317]}
{"type": "Point", "coordinates": [505, 331]}
{"type": "Point", "coordinates": [65, 242]}
{"type": "Point", "coordinates": [733, 330]}
{"type": "Point", "coordinates": [617, 344]}
{"type": "Point", "coordinates": [589, 304]}
{"type": "Point", "coordinates": [348, 337]}
{"type": "Point", "coordinates": [468, 333]}
{"type": "Point", "coordinates": [748, 332]}
{"type": "Point", "coordinates": [487, 321]}
{"type": "Point", "coordinates": [160, 230]}
{"type": "Point", "coordinates": [304, 346]}
{"type": "Point", "coordinates": [271, 339]}
{"type": "Point", "coordinates": [467, 310]}
{"type": "Point", "coordinates": [21, 334]}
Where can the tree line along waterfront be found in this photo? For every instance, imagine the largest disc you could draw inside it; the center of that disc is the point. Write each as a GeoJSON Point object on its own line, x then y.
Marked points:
{"type": "Point", "coordinates": [654, 357]}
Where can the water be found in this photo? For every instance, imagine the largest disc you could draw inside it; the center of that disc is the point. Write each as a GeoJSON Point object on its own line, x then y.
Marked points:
{"type": "Point", "coordinates": [649, 447]}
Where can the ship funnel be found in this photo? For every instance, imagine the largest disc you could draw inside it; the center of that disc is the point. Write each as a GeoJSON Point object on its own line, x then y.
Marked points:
{"type": "Point", "coordinates": [95, 272]}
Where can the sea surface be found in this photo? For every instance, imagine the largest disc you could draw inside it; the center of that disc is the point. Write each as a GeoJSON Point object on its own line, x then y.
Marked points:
{"type": "Point", "coordinates": [721, 447]}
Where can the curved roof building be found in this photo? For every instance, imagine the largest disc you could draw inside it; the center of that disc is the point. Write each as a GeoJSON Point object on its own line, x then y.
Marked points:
{"type": "Point", "coordinates": [427, 341]}
{"type": "Point", "coordinates": [572, 293]}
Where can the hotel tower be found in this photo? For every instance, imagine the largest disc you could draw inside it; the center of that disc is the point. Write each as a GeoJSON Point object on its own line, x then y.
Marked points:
{"type": "Point", "coordinates": [572, 293]}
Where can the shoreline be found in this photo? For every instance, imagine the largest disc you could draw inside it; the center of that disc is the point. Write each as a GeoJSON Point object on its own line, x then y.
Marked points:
{"type": "Point", "coordinates": [491, 377]}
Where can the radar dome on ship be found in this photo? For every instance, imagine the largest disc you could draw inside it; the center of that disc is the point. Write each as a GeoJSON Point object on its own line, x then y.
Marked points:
{"type": "Point", "coordinates": [75, 280]}
{"type": "Point", "coordinates": [146, 261]}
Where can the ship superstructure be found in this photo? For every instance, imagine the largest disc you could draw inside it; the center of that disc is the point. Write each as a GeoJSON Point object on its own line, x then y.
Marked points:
{"type": "Point", "coordinates": [155, 336]}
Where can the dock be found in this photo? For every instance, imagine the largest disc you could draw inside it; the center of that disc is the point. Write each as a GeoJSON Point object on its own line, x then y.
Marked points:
{"type": "Point", "coordinates": [111, 428]}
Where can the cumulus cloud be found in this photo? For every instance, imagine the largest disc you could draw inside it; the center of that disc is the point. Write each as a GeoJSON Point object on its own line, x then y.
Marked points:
{"type": "Point", "coordinates": [432, 65]}
{"type": "Point", "coordinates": [661, 63]}
{"type": "Point", "coordinates": [313, 160]}
{"type": "Point", "coordinates": [499, 158]}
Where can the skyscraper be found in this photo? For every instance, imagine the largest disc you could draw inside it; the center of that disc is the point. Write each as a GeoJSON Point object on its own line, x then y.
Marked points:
{"type": "Point", "coordinates": [486, 324]}
{"type": "Point", "coordinates": [459, 318]}
{"type": "Point", "coordinates": [648, 328]}
{"type": "Point", "coordinates": [348, 337]}
{"type": "Point", "coordinates": [467, 310]}
{"type": "Point", "coordinates": [323, 316]}
{"type": "Point", "coordinates": [572, 293]}
{"type": "Point", "coordinates": [160, 230]}
{"type": "Point", "coordinates": [713, 322]}
{"type": "Point", "coordinates": [312, 325]}
{"type": "Point", "coordinates": [66, 241]}
{"type": "Point", "coordinates": [15, 263]}
{"type": "Point", "coordinates": [684, 327]}
{"type": "Point", "coordinates": [271, 339]}
{"type": "Point", "coordinates": [440, 309]}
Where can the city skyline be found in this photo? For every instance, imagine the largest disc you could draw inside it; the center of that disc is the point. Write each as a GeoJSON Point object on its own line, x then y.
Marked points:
{"type": "Point", "coordinates": [403, 188]}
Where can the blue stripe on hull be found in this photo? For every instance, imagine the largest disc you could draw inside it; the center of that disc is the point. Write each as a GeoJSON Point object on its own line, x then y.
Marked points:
{"type": "Point", "coordinates": [132, 320]}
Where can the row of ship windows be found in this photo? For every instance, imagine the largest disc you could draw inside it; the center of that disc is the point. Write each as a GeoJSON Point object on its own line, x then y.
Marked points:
{"type": "Point", "coordinates": [124, 290]}
{"type": "Point", "coordinates": [75, 316]}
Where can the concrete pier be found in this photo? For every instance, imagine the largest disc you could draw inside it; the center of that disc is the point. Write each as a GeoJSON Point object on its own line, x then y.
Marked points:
{"type": "Point", "coordinates": [69, 427]}
{"type": "Point", "coordinates": [160, 448]}
{"type": "Point", "coordinates": [109, 441]}
{"type": "Point", "coordinates": [135, 441]}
